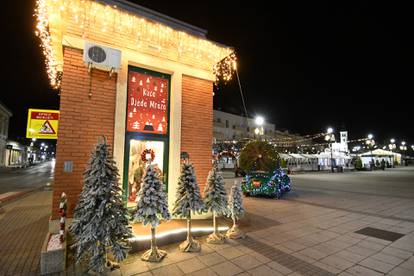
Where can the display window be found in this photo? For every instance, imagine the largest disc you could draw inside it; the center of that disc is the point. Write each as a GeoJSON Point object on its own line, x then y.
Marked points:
{"type": "Point", "coordinates": [147, 129]}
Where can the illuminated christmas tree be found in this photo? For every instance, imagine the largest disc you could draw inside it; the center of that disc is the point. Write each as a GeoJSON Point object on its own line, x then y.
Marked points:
{"type": "Point", "coordinates": [215, 199]}
{"type": "Point", "coordinates": [100, 218]}
{"type": "Point", "coordinates": [236, 211]}
{"type": "Point", "coordinates": [188, 200]}
{"type": "Point", "coordinates": [151, 208]}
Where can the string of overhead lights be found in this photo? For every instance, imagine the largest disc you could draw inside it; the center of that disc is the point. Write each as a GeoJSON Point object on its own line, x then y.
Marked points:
{"type": "Point", "coordinates": [305, 138]}
{"type": "Point", "coordinates": [95, 21]}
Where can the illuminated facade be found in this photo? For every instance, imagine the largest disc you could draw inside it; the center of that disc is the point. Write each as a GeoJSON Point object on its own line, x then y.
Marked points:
{"type": "Point", "coordinates": [160, 98]}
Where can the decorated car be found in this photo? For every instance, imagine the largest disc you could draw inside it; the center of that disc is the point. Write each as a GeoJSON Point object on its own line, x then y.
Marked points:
{"type": "Point", "coordinates": [272, 184]}
{"type": "Point", "coordinates": [264, 176]}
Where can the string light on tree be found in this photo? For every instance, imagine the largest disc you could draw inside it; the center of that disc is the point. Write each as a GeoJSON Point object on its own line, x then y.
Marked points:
{"type": "Point", "coordinates": [225, 69]}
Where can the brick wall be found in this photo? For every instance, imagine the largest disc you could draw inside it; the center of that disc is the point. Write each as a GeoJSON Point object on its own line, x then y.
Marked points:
{"type": "Point", "coordinates": [82, 120]}
{"type": "Point", "coordinates": [197, 124]}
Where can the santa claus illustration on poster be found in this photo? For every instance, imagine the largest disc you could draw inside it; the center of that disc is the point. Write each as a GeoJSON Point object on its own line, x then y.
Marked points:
{"type": "Point", "coordinates": [147, 104]}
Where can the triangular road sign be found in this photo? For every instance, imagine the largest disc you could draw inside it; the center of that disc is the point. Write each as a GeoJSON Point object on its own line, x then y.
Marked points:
{"type": "Point", "coordinates": [47, 128]}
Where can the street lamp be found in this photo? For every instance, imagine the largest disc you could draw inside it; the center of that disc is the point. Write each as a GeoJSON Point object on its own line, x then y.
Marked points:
{"type": "Point", "coordinates": [392, 146]}
{"type": "Point", "coordinates": [370, 144]}
{"type": "Point", "coordinates": [403, 148]}
{"type": "Point", "coordinates": [330, 138]}
{"type": "Point", "coordinates": [259, 121]}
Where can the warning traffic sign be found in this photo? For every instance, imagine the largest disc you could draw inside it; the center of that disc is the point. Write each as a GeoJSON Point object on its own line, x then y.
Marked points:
{"type": "Point", "coordinates": [42, 124]}
{"type": "Point", "coordinates": [47, 128]}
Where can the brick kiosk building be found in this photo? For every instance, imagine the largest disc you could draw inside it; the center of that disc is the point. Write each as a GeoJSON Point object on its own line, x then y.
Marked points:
{"type": "Point", "coordinates": [162, 58]}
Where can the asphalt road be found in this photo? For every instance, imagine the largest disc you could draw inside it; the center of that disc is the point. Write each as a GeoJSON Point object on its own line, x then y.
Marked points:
{"type": "Point", "coordinates": [12, 180]}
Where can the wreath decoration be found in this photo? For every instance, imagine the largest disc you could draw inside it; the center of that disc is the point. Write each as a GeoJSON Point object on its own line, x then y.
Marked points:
{"type": "Point", "coordinates": [144, 155]}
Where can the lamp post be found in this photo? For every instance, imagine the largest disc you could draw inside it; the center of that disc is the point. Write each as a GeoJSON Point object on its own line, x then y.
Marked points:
{"type": "Point", "coordinates": [392, 146]}
{"type": "Point", "coordinates": [330, 138]}
{"type": "Point", "coordinates": [370, 144]}
{"type": "Point", "coordinates": [403, 149]}
{"type": "Point", "coordinates": [259, 121]}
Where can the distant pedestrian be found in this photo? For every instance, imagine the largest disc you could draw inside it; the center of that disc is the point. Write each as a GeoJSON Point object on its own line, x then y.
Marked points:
{"type": "Point", "coordinates": [382, 164]}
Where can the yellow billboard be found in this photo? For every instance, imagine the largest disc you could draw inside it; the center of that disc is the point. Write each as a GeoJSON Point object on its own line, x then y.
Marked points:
{"type": "Point", "coordinates": [42, 124]}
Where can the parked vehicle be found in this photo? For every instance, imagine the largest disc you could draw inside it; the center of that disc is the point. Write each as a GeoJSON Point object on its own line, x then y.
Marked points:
{"type": "Point", "coordinates": [273, 184]}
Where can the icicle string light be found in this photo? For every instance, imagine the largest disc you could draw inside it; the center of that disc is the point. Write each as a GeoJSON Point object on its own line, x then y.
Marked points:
{"type": "Point", "coordinates": [42, 31]}
{"type": "Point", "coordinates": [92, 20]}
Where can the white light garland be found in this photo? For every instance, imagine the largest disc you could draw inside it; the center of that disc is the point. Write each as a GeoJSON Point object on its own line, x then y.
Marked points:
{"type": "Point", "coordinates": [95, 21]}
{"type": "Point", "coordinates": [42, 31]}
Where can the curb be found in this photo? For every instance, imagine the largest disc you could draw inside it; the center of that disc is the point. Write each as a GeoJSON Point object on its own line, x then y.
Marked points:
{"type": "Point", "coordinates": [18, 195]}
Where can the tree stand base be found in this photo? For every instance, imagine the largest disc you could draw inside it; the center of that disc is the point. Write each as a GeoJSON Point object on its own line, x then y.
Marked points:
{"type": "Point", "coordinates": [154, 255]}
{"type": "Point", "coordinates": [190, 245]}
{"type": "Point", "coordinates": [216, 238]}
{"type": "Point", "coordinates": [235, 233]}
{"type": "Point", "coordinates": [110, 266]}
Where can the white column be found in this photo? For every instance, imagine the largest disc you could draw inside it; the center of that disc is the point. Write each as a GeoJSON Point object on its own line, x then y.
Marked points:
{"type": "Point", "coordinates": [120, 115]}
{"type": "Point", "coordinates": [175, 135]}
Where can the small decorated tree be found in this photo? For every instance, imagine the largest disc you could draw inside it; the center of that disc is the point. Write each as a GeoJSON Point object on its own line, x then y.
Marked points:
{"type": "Point", "coordinates": [188, 200]}
{"type": "Point", "coordinates": [151, 208]}
{"type": "Point", "coordinates": [235, 211]}
{"type": "Point", "coordinates": [100, 220]}
{"type": "Point", "coordinates": [215, 200]}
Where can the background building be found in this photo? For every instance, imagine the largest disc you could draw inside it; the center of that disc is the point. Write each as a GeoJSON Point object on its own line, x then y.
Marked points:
{"type": "Point", "coordinates": [228, 126]}
{"type": "Point", "coordinates": [15, 154]}
{"type": "Point", "coordinates": [5, 115]}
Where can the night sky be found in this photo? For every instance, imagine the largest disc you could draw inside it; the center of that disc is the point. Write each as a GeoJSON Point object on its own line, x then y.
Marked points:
{"type": "Point", "coordinates": [302, 67]}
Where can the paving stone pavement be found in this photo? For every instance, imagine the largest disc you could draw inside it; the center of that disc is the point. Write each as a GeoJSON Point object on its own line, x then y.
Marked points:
{"type": "Point", "coordinates": [314, 235]}
{"type": "Point", "coordinates": [311, 232]}
{"type": "Point", "coordinates": [23, 227]}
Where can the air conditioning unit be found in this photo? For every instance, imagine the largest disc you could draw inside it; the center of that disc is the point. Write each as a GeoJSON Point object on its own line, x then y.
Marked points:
{"type": "Point", "coordinates": [101, 57]}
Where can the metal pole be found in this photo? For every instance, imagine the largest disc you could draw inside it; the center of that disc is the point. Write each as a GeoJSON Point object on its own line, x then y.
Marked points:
{"type": "Point", "coordinates": [332, 168]}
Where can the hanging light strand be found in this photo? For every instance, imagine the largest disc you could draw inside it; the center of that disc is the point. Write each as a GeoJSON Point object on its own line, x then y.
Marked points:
{"type": "Point", "coordinates": [42, 31]}
{"type": "Point", "coordinates": [96, 21]}
{"type": "Point", "coordinates": [226, 68]}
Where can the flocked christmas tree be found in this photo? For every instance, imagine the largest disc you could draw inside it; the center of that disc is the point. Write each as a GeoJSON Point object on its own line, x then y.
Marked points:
{"type": "Point", "coordinates": [100, 220]}
{"type": "Point", "coordinates": [215, 200]}
{"type": "Point", "coordinates": [235, 211]}
{"type": "Point", "coordinates": [151, 208]}
{"type": "Point", "coordinates": [188, 200]}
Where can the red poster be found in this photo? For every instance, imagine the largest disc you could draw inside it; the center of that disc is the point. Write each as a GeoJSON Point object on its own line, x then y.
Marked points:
{"type": "Point", "coordinates": [147, 104]}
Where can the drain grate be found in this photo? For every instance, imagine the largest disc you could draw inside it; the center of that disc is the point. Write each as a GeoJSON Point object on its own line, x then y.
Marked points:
{"type": "Point", "coordinates": [285, 259]}
{"type": "Point", "coordinates": [380, 234]}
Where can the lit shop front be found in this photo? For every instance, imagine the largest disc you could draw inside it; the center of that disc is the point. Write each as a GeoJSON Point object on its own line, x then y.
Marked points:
{"type": "Point", "coordinates": [147, 128]}
{"type": "Point", "coordinates": [142, 79]}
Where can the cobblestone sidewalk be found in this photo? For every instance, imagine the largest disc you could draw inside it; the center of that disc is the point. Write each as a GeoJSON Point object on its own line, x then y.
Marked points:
{"type": "Point", "coordinates": [23, 227]}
